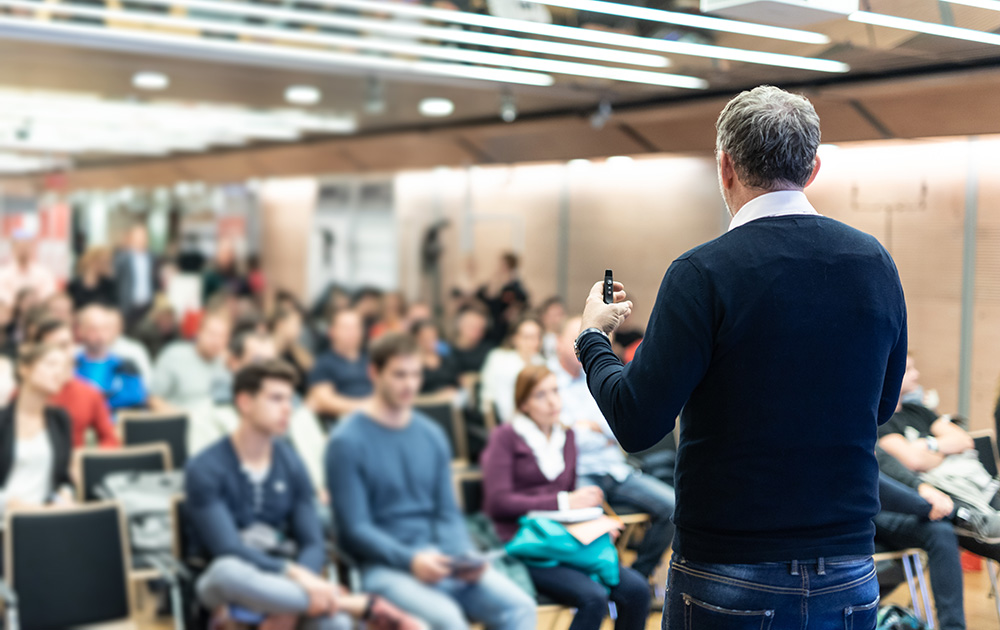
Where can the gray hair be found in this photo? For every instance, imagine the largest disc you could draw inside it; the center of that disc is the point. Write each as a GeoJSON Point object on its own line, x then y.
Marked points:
{"type": "Point", "coordinates": [771, 136]}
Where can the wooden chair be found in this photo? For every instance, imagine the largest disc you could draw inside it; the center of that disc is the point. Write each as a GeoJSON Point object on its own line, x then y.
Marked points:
{"type": "Point", "coordinates": [145, 427]}
{"type": "Point", "coordinates": [69, 567]}
{"type": "Point", "coordinates": [986, 447]}
{"type": "Point", "coordinates": [96, 464]}
{"type": "Point", "coordinates": [449, 417]}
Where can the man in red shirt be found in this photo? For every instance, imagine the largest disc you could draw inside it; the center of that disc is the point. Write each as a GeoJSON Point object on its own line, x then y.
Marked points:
{"type": "Point", "coordinates": [84, 403]}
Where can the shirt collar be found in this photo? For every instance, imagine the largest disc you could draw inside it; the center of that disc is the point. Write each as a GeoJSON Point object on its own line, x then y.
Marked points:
{"type": "Point", "coordinates": [775, 204]}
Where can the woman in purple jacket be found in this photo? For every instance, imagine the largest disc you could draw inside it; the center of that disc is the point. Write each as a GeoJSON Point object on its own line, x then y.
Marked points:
{"type": "Point", "coordinates": [530, 464]}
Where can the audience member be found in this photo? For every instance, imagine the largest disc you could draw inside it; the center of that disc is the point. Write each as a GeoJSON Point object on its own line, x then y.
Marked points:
{"type": "Point", "coordinates": [393, 316]}
{"type": "Point", "coordinates": [211, 419]}
{"type": "Point", "coordinates": [943, 454]}
{"type": "Point", "coordinates": [92, 282]}
{"type": "Point", "coordinates": [601, 461]}
{"type": "Point", "coordinates": [471, 345]}
{"type": "Point", "coordinates": [367, 303]}
{"type": "Point", "coordinates": [116, 377]}
{"type": "Point", "coordinates": [159, 328]}
{"type": "Point", "coordinates": [85, 404]}
{"type": "Point", "coordinates": [389, 473]}
{"type": "Point", "coordinates": [35, 438]}
{"type": "Point", "coordinates": [530, 465]}
{"type": "Point", "coordinates": [926, 524]}
{"type": "Point", "coordinates": [8, 343]}
{"type": "Point", "coordinates": [251, 508]}
{"type": "Point", "coordinates": [440, 377]}
{"type": "Point", "coordinates": [188, 374]}
{"type": "Point", "coordinates": [60, 306]}
{"type": "Point", "coordinates": [504, 296]}
{"type": "Point", "coordinates": [135, 276]}
{"type": "Point", "coordinates": [286, 329]}
{"type": "Point", "coordinates": [224, 274]}
{"type": "Point", "coordinates": [504, 364]}
{"type": "Point", "coordinates": [128, 348]}
{"type": "Point", "coordinates": [24, 271]}
{"type": "Point", "coordinates": [552, 316]}
{"type": "Point", "coordinates": [339, 382]}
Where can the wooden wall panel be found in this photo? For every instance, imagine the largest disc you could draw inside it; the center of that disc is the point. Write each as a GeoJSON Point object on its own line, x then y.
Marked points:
{"type": "Point", "coordinates": [286, 208]}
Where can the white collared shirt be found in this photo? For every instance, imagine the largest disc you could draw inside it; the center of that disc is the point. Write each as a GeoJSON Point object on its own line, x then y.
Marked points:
{"type": "Point", "coordinates": [776, 204]}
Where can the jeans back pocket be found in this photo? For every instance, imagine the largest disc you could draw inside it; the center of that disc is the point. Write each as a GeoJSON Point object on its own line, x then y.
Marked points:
{"type": "Point", "coordinates": [699, 615]}
{"type": "Point", "coordinates": [861, 617]}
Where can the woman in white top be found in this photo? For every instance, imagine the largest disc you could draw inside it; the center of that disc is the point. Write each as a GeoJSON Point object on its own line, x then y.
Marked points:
{"type": "Point", "coordinates": [523, 348]}
{"type": "Point", "coordinates": [36, 440]}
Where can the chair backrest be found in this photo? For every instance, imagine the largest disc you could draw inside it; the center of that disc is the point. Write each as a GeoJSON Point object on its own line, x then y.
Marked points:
{"type": "Point", "coordinates": [68, 566]}
{"type": "Point", "coordinates": [985, 442]}
{"type": "Point", "coordinates": [469, 490]}
{"type": "Point", "coordinates": [96, 465]}
{"type": "Point", "coordinates": [446, 416]}
{"type": "Point", "coordinates": [146, 428]}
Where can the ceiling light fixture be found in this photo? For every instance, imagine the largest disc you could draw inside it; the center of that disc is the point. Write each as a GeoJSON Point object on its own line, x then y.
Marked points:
{"type": "Point", "coordinates": [404, 48]}
{"type": "Point", "coordinates": [619, 160]}
{"type": "Point", "coordinates": [928, 28]}
{"type": "Point", "coordinates": [703, 22]}
{"type": "Point", "coordinates": [248, 53]}
{"type": "Point", "coordinates": [591, 36]}
{"type": "Point", "coordinates": [436, 107]}
{"type": "Point", "coordinates": [303, 95]}
{"type": "Point", "coordinates": [150, 80]}
{"type": "Point", "coordinates": [407, 29]}
{"type": "Point", "coordinates": [374, 96]}
{"type": "Point", "coordinates": [508, 107]}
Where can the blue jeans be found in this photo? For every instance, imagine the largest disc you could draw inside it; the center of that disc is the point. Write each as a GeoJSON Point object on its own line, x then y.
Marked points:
{"type": "Point", "coordinates": [824, 594]}
{"type": "Point", "coordinates": [494, 600]}
{"type": "Point", "coordinates": [644, 494]}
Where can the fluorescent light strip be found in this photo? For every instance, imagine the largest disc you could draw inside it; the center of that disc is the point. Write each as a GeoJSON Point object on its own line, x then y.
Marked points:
{"type": "Point", "coordinates": [470, 56]}
{"type": "Point", "coordinates": [687, 19]}
{"type": "Point", "coordinates": [989, 5]}
{"type": "Point", "coordinates": [241, 9]}
{"type": "Point", "coordinates": [148, 42]}
{"type": "Point", "coordinates": [929, 28]}
{"type": "Point", "coordinates": [592, 36]}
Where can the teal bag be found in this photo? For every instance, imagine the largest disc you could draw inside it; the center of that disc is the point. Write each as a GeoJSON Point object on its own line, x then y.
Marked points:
{"type": "Point", "coordinates": [541, 542]}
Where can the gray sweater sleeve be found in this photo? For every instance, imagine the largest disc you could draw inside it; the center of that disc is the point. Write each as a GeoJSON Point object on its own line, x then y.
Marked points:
{"type": "Point", "coordinates": [894, 469]}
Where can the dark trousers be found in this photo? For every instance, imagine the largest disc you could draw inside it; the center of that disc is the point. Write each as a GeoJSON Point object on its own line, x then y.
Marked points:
{"type": "Point", "coordinates": [643, 493]}
{"type": "Point", "coordinates": [570, 587]}
{"type": "Point", "coordinates": [937, 538]}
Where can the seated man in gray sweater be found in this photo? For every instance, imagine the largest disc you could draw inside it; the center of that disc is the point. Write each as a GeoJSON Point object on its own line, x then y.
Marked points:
{"type": "Point", "coordinates": [251, 509]}
{"type": "Point", "coordinates": [389, 474]}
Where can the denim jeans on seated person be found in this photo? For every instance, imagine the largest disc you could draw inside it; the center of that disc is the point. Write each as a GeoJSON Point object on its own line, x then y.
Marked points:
{"type": "Point", "coordinates": [823, 594]}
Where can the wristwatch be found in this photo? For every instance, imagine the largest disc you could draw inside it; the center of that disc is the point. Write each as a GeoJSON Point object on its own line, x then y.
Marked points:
{"type": "Point", "coordinates": [932, 444]}
{"type": "Point", "coordinates": [576, 344]}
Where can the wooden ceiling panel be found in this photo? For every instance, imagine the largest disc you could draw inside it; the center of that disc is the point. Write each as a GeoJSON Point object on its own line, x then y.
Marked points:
{"type": "Point", "coordinates": [552, 139]}
{"type": "Point", "coordinates": [842, 122]}
{"type": "Point", "coordinates": [406, 151]}
{"type": "Point", "coordinates": [964, 108]}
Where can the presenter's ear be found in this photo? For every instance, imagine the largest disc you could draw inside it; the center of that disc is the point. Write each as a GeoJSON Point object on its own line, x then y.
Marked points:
{"type": "Point", "coordinates": [812, 178]}
{"type": "Point", "coordinates": [727, 172]}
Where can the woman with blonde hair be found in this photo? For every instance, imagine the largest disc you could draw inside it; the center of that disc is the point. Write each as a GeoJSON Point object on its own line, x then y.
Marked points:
{"type": "Point", "coordinates": [92, 283]}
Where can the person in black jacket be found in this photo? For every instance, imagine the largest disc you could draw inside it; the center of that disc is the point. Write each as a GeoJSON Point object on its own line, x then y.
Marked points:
{"type": "Point", "coordinates": [36, 440]}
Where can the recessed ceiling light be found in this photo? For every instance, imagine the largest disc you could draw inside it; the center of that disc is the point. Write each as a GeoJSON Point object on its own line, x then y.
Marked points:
{"type": "Point", "coordinates": [303, 95]}
{"type": "Point", "coordinates": [436, 107]}
{"type": "Point", "coordinates": [579, 162]}
{"type": "Point", "coordinates": [619, 160]}
{"type": "Point", "coordinates": [150, 80]}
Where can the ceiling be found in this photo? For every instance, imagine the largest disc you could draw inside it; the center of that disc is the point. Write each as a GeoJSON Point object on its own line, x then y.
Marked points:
{"type": "Point", "coordinates": [900, 84]}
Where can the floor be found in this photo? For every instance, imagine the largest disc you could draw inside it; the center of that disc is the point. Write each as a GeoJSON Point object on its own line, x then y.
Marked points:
{"type": "Point", "coordinates": [980, 609]}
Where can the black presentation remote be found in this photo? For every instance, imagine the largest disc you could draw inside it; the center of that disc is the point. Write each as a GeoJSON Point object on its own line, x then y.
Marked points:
{"type": "Point", "coordinates": [609, 287]}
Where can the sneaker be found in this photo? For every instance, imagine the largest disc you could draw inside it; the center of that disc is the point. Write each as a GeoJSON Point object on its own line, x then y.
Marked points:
{"type": "Point", "coordinates": [983, 527]}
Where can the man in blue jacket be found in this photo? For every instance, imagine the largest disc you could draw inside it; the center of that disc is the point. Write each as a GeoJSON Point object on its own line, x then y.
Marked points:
{"type": "Point", "coordinates": [252, 509]}
{"type": "Point", "coordinates": [784, 342]}
{"type": "Point", "coordinates": [118, 378]}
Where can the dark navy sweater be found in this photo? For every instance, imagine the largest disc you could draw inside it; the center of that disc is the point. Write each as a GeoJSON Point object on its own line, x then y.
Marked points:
{"type": "Point", "coordinates": [222, 501]}
{"type": "Point", "coordinates": [784, 341]}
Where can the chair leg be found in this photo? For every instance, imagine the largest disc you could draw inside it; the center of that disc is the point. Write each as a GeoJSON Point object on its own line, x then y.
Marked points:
{"type": "Point", "coordinates": [918, 570]}
{"type": "Point", "coordinates": [992, 567]}
{"type": "Point", "coordinates": [911, 583]}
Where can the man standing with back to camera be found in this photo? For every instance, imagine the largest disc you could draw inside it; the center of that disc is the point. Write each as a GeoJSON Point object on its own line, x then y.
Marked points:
{"type": "Point", "coordinates": [784, 341]}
